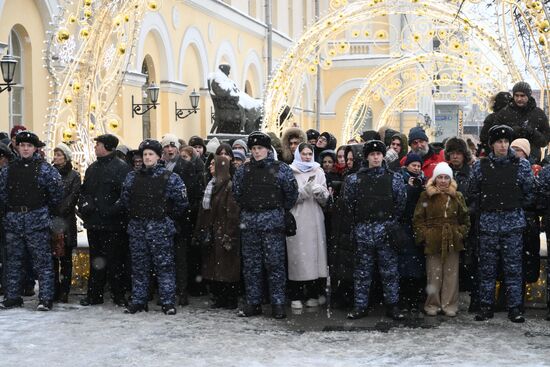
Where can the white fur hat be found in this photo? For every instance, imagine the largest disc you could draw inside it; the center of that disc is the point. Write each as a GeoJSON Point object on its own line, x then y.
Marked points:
{"type": "Point", "coordinates": [442, 168]}
{"type": "Point", "coordinates": [170, 139]}
{"type": "Point", "coordinates": [66, 151]}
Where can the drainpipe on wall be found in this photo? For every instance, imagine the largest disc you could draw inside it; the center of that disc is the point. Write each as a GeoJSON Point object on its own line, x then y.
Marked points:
{"type": "Point", "coordinates": [269, 37]}
{"type": "Point", "coordinates": [318, 82]}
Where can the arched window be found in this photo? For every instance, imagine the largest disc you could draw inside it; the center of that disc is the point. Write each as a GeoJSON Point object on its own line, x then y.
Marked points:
{"type": "Point", "coordinates": [146, 117]}
{"type": "Point", "coordinates": [16, 97]}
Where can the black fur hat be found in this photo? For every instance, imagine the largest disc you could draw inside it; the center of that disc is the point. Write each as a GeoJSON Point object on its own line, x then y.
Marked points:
{"type": "Point", "coordinates": [455, 144]}
{"type": "Point", "coordinates": [259, 138]}
{"type": "Point", "coordinates": [500, 132]}
{"type": "Point", "coordinates": [150, 144]}
{"type": "Point", "coordinates": [27, 136]}
{"type": "Point", "coordinates": [374, 146]}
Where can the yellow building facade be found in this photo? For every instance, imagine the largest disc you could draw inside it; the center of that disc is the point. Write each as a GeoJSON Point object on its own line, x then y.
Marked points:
{"type": "Point", "coordinates": [178, 47]}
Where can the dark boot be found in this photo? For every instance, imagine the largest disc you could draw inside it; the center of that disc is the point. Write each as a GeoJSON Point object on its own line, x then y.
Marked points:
{"type": "Point", "coordinates": [278, 312]}
{"type": "Point", "coordinates": [44, 306]}
{"type": "Point", "coordinates": [358, 313]}
{"type": "Point", "coordinates": [250, 310]}
{"type": "Point", "coordinates": [87, 301]}
{"type": "Point", "coordinates": [11, 303]}
{"type": "Point", "coordinates": [64, 297]}
{"type": "Point", "coordinates": [169, 309]}
{"type": "Point", "coordinates": [183, 299]}
{"type": "Point", "coordinates": [393, 312]}
{"type": "Point", "coordinates": [515, 315]}
{"type": "Point", "coordinates": [474, 305]}
{"type": "Point", "coordinates": [548, 315]}
{"type": "Point", "coordinates": [485, 313]}
{"type": "Point", "coordinates": [132, 308]}
{"type": "Point", "coordinates": [120, 301]}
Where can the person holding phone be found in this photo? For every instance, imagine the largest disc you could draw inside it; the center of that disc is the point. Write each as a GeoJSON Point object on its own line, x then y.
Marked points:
{"type": "Point", "coordinates": [307, 250]}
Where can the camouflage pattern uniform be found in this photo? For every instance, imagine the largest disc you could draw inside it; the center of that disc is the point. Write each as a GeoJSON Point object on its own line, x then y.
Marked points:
{"type": "Point", "coordinates": [29, 229]}
{"type": "Point", "coordinates": [263, 235]}
{"type": "Point", "coordinates": [372, 239]}
{"type": "Point", "coordinates": [152, 239]}
{"type": "Point", "coordinates": [501, 233]}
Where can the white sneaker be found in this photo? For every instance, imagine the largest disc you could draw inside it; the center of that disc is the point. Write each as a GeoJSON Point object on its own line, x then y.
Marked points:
{"type": "Point", "coordinates": [322, 300]}
{"type": "Point", "coordinates": [296, 305]}
{"type": "Point", "coordinates": [312, 302]}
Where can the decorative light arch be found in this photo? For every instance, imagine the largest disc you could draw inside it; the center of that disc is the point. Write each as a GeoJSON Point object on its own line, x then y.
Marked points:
{"type": "Point", "coordinates": [312, 52]}
{"type": "Point", "coordinates": [388, 79]}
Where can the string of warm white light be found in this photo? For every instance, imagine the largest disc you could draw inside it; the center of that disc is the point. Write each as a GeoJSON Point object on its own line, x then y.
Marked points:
{"type": "Point", "coordinates": [89, 48]}
{"type": "Point", "coordinates": [323, 42]}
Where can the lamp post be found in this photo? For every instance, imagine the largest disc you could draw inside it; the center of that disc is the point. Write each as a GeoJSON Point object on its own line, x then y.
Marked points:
{"type": "Point", "coordinates": [194, 98]}
{"type": "Point", "coordinates": [141, 108]}
{"type": "Point", "coordinates": [8, 65]}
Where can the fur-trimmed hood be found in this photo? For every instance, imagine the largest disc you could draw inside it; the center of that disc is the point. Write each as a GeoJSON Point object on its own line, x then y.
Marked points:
{"type": "Point", "coordinates": [291, 132]}
{"type": "Point", "coordinates": [432, 190]}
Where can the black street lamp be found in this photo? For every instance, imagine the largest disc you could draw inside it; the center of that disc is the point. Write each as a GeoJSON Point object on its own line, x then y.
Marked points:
{"type": "Point", "coordinates": [8, 65]}
{"type": "Point", "coordinates": [194, 99]}
{"type": "Point", "coordinates": [141, 108]}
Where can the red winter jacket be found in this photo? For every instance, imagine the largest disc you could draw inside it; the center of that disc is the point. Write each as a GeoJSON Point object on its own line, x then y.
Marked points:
{"type": "Point", "coordinates": [430, 161]}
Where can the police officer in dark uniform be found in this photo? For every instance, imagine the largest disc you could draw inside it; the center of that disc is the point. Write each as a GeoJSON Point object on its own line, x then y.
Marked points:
{"type": "Point", "coordinates": [502, 185]}
{"type": "Point", "coordinates": [376, 197]}
{"type": "Point", "coordinates": [29, 187]}
{"type": "Point", "coordinates": [155, 198]}
{"type": "Point", "coordinates": [105, 222]}
{"type": "Point", "coordinates": [264, 189]}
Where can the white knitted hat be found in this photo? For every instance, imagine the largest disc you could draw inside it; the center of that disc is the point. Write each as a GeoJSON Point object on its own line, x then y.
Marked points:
{"type": "Point", "coordinates": [442, 168]}
{"type": "Point", "coordinates": [170, 139]}
{"type": "Point", "coordinates": [66, 151]}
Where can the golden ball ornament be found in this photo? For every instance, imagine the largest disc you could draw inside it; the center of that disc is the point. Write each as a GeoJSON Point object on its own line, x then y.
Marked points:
{"type": "Point", "coordinates": [63, 35]}
{"type": "Point", "coordinates": [152, 5]}
{"type": "Point", "coordinates": [121, 49]}
{"type": "Point", "coordinates": [84, 32]}
{"type": "Point", "coordinates": [68, 100]}
{"type": "Point", "coordinates": [67, 135]}
{"type": "Point", "coordinates": [114, 124]}
{"type": "Point", "coordinates": [76, 87]}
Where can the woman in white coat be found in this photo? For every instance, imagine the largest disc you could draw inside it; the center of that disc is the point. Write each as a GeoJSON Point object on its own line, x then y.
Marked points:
{"type": "Point", "coordinates": [307, 250]}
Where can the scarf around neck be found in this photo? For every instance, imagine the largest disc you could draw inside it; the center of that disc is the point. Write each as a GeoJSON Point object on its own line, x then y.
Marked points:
{"type": "Point", "coordinates": [302, 166]}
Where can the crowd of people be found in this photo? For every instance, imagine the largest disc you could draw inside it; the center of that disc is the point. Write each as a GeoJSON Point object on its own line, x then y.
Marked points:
{"type": "Point", "coordinates": [294, 220]}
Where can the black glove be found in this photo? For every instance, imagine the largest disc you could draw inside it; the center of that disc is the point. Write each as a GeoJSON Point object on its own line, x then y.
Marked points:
{"type": "Point", "coordinates": [290, 224]}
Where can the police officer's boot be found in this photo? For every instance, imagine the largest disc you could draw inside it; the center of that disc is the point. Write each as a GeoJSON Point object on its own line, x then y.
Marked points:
{"type": "Point", "coordinates": [358, 313]}
{"type": "Point", "coordinates": [394, 312]}
{"type": "Point", "coordinates": [11, 303]}
{"type": "Point", "coordinates": [88, 301]}
{"type": "Point", "coordinates": [278, 311]}
{"type": "Point", "coordinates": [120, 300]}
{"type": "Point", "coordinates": [44, 306]}
{"type": "Point", "coordinates": [485, 313]}
{"type": "Point", "coordinates": [183, 299]}
{"type": "Point", "coordinates": [133, 308]}
{"type": "Point", "coordinates": [169, 309]}
{"type": "Point", "coordinates": [250, 310]}
{"type": "Point", "coordinates": [515, 315]}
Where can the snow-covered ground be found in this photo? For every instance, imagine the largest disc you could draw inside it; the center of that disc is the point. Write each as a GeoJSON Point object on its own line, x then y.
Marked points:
{"type": "Point", "coordinates": [103, 336]}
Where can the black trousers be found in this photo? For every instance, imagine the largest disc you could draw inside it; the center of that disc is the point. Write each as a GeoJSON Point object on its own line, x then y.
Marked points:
{"type": "Point", "coordinates": [108, 254]}
{"type": "Point", "coordinates": [181, 242]}
{"type": "Point", "coordinates": [63, 272]}
{"type": "Point", "coordinates": [299, 290]}
{"type": "Point", "coordinates": [411, 292]}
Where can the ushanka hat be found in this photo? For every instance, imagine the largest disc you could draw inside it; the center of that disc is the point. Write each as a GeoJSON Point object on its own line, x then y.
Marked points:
{"type": "Point", "coordinates": [259, 138]}
{"type": "Point", "coordinates": [500, 132]}
{"type": "Point", "coordinates": [374, 146]}
{"type": "Point", "coordinates": [150, 144]}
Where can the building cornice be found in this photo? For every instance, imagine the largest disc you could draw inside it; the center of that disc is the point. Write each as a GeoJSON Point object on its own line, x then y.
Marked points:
{"type": "Point", "coordinates": [226, 13]}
